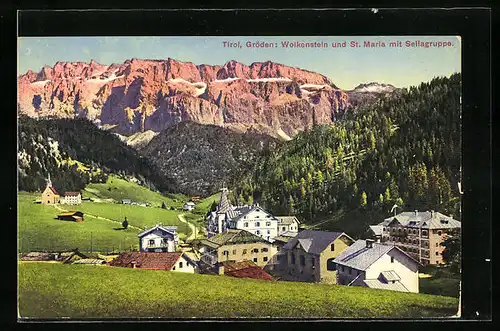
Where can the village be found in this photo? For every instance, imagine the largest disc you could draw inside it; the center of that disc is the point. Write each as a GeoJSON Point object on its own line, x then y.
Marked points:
{"type": "Point", "coordinates": [249, 242]}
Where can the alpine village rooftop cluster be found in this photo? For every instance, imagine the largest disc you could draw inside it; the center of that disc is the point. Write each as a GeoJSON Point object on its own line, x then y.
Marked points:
{"type": "Point", "coordinates": [249, 242]}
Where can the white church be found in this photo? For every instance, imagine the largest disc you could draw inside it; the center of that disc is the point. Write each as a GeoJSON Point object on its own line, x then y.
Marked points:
{"type": "Point", "coordinates": [251, 218]}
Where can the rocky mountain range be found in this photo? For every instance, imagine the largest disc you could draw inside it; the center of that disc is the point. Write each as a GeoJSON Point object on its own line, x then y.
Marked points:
{"type": "Point", "coordinates": [368, 92]}
{"type": "Point", "coordinates": [142, 95]}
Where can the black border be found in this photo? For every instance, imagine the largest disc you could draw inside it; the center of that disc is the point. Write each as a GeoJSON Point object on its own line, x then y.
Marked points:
{"type": "Point", "coordinates": [473, 25]}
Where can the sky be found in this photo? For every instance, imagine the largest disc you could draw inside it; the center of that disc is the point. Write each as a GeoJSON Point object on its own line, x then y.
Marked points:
{"type": "Point", "coordinates": [347, 66]}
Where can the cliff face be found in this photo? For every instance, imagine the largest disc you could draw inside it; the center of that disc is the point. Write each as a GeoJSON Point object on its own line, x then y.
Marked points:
{"type": "Point", "coordinates": [141, 95]}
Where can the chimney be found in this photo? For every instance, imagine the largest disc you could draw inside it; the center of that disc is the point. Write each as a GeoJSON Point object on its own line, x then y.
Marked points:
{"type": "Point", "coordinates": [432, 213]}
{"type": "Point", "coordinates": [416, 212]}
{"type": "Point", "coordinates": [220, 269]}
{"type": "Point", "coordinates": [369, 243]}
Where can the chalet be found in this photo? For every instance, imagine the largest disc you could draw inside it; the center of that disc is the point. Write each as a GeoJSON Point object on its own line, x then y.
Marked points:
{"type": "Point", "coordinates": [188, 206]}
{"type": "Point", "coordinates": [159, 239]}
{"type": "Point", "coordinates": [377, 265]}
{"type": "Point", "coordinates": [74, 216]}
{"type": "Point", "coordinates": [287, 224]}
{"type": "Point", "coordinates": [420, 234]}
{"type": "Point", "coordinates": [308, 256]}
{"type": "Point", "coordinates": [50, 195]}
{"type": "Point", "coordinates": [72, 198]}
{"type": "Point", "coordinates": [243, 269]}
{"type": "Point", "coordinates": [169, 261]}
{"type": "Point", "coordinates": [235, 245]}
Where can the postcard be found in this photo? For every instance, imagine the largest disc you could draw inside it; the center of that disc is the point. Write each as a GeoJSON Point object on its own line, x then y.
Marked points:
{"type": "Point", "coordinates": [212, 177]}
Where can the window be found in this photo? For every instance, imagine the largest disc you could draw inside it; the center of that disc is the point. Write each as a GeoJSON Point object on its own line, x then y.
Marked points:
{"type": "Point", "coordinates": [302, 260]}
{"type": "Point", "coordinates": [384, 229]}
{"type": "Point", "coordinates": [257, 232]}
{"type": "Point", "coordinates": [244, 251]}
{"type": "Point", "coordinates": [332, 247]}
{"type": "Point", "coordinates": [392, 259]}
{"type": "Point", "coordinates": [330, 265]}
{"type": "Point", "coordinates": [245, 225]}
{"type": "Point", "coordinates": [313, 260]}
{"type": "Point", "coordinates": [257, 216]}
{"type": "Point", "coordinates": [439, 232]}
{"type": "Point", "coordinates": [257, 224]}
{"type": "Point", "coordinates": [278, 248]}
{"type": "Point", "coordinates": [180, 264]}
{"type": "Point", "coordinates": [349, 270]}
{"type": "Point", "coordinates": [265, 259]}
{"type": "Point", "coordinates": [293, 258]}
{"type": "Point", "coordinates": [234, 251]}
{"type": "Point", "coordinates": [437, 253]}
{"type": "Point", "coordinates": [424, 232]}
{"type": "Point", "coordinates": [268, 231]}
{"type": "Point", "coordinates": [255, 250]}
{"type": "Point", "coordinates": [268, 223]}
{"type": "Point", "coordinates": [225, 253]}
{"type": "Point", "coordinates": [264, 249]}
{"type": "Point", "coordinates": [399, 230]}
{"type": "Point", "coordinates": [283, 228]}
{"type": "Point", "coordinates": [255, 259]}
{"type": "Point", "coordinates": [151, 242]}
{"type": "Point", "coordinates": [437, 244]}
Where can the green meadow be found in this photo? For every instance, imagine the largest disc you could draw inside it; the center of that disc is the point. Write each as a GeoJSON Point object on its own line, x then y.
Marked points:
{"type": "Point", "coordinates": [52, 290]}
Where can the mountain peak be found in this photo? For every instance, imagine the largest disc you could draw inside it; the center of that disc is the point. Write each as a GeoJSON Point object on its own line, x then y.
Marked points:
{"type": "Point", "coordinates": [374, 87]}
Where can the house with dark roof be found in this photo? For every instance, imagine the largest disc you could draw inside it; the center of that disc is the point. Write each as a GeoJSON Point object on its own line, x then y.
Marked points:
{"type": "Point", "coordinates": [419, 234]}
{"type": "Point", "coordinates": [160, 238]}
{"type": "Point", "coordinates": [377, 265]}
{"type": "Point", "coordinates": [235, 245]}
{"type": "Point", "coordinates": [74, 216]}
{"type": "Point", "coordinates": [243, 269]}
{"type": "Point", "coordinates": [287, 224]}
{"type": "Point", "coordinates": [169, 261]}
{"type": "Point", "coordinates": [308, 256]}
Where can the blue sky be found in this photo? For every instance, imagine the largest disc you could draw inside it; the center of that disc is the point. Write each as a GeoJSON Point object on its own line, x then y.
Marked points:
{"type": "Point", "coordinates": [346, 67]}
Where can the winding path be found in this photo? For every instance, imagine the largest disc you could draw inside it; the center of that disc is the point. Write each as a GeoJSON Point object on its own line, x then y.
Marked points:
{"type": "Point", "coordinates": [191, 226]}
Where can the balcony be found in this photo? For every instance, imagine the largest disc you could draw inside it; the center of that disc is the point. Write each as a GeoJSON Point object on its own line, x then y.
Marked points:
{"type": "Point", "coordinates": [162, 245]}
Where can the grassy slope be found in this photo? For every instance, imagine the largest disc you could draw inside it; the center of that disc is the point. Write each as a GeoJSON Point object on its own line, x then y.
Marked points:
{"type": "Point", "coordinates": [136, 215]}
{"type": "Point", "coordinates": [122, 189]}
{"type": "Point", "coordinates": [38, 230]}
{"type": "Point", "coordinates": [56, 290]}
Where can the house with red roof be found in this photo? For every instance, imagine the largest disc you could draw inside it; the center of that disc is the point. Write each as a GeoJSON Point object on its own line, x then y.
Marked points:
{"type": "Point", "coordinates": [243, 269]}
{"type": "Point", "coordinates": [50, 195]}
{"type": "Point", "coordinates": [168, 261]}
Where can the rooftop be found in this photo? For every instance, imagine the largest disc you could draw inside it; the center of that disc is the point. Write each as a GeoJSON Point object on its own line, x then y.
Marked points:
{"type": "Point", "coordinates": [245, 269]}
{"type": "Point", "coordinates": [146, 260]}
{"type": "Point", "coordinates": [314, 242]}
{"type": "Point", "coordinates": [287, 220]}
{"type": "Point", "coordinates": [232, 237]}
{"type": "Point", "coordinates": [426, 220]}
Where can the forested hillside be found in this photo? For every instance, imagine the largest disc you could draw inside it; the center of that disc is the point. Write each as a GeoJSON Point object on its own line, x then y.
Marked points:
{"type": "Point", "coordinates": [53, 146]}
{"type": "Point", "coordinates": [202, 158]}
{"type": "Point", "coordinates": [402, 149]}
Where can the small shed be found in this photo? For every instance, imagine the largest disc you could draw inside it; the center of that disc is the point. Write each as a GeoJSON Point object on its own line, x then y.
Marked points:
{"type": "Point", "coordinates": [74, 216]}
{"type": "Point", "coordinates": [126, 201]}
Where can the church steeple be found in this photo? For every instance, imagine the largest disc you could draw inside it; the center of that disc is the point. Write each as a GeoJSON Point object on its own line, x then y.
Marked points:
{"type": "Point", "coordinates": [224, 204]}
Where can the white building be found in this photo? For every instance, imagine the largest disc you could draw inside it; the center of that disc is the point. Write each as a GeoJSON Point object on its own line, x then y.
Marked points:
{"type": "Point", "coordinates": [188, 206]}
{"type": "Point", "coordinates": [376, 265]}
{"type": "Point", "coordinates": [287, 224]}
{"type": "Point", "coordinates": [253, 219]}
{"type": "Point", "coordinates": [72, 198]}
{"type": "Point", "coordinates": [159, 239]}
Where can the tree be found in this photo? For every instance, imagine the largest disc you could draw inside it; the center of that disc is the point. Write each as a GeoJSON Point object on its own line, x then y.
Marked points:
{"type": "Point", "coordinates": [163, 206]}
{"type": "Point", "coordinates": [363, 199]}
{"type": "Point", "coordinates": [452, 254]}
{"type": "Point", "coordinates": [125, 223]}
{"type": "Point", "coordinates": [387, 195]}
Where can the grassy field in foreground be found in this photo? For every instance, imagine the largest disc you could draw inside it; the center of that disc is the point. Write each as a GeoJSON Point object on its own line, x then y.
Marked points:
{"type": "Point", "coordinates": [118, 189]}
{"type": "Point", "coordinates": [56, 290]}
{"type": "Point", "coordinates": [39, 230]}
{"type": "Point", "coordinates": [136, 215]}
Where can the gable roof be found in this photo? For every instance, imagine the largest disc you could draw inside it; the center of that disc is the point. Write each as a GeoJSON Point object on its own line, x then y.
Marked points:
{"type": "Point", "coordinates": [377, 284]}
{"type": "Point", "coordinates": [232, 237]}
{"type": "Point", "coordinates": [287, 220]}
{"type": "Point", "coordinates": [358, 256]}
{"type": "Point", "coordinates": [147, 260]}
{"type": "Point", "coordinates": [314, 241]}
{"type": "Point", "coordinates": [52, 189]}
{"type": "Point", "coordinates": [376, 229]}
{"type": "Point", "coordinates": [245, 269]}
{"type": "Point", "coordinates": [427, 220]}
{"type": "Point", "coordinates": [170, 229]}
{"type": "Point", "coordinates": [71, 194]}
{"type": "Point", "coordinates": [242, 211]}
